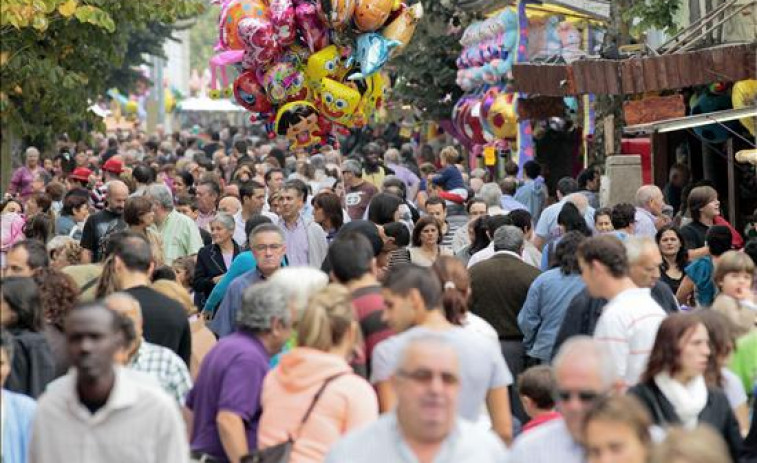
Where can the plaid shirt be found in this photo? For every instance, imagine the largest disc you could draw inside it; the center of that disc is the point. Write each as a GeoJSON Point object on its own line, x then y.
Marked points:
{"type": "Point", "coordinates": [164, 365]}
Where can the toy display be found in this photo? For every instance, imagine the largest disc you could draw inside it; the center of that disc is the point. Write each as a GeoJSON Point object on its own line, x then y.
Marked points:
{"type": "Point", "coordinates": [307, 67]}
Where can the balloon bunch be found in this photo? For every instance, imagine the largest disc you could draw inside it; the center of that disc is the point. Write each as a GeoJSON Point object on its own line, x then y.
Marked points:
{"type": "Point", "coordinates": [310, 66]}
{"type": "Point", "coordinates": [485, 116]}
{"type": "Point", "coordinates": [488, 50]}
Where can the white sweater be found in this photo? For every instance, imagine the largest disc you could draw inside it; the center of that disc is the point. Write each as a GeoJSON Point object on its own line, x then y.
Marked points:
{"type": "Point", "coordinates": [628, 327]}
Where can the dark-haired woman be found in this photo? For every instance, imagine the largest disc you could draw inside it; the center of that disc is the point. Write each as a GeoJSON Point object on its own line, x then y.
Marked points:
{"type": "Point", "coordinates": [327, 212]}
{"type": "Point", "coordinates": [58, 295]}
{"type": "Point", "coordinates": [73, 216]}
{"type": "Point", "coordinates": [569, 219]}
{"type": "Point", "coordinates": [674, 389]}
{"type": "Point", "coordinates": [479, 239]}
{"type": "Point", "coordinates": [675, 258]}
{"type": "Point", "coordinates": [33, 365]}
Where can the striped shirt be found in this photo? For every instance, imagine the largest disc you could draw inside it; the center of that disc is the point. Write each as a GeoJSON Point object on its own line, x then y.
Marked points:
{"type": "Point", "coordinates": [627, 328]}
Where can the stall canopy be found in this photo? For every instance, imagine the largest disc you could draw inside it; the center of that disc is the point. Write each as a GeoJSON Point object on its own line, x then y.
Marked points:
{"type": "Point", "coordinates": [209, 105]}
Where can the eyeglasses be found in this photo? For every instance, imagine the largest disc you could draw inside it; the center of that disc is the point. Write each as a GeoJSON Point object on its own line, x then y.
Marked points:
{"type": "Point", "coordinates": [425, 376]}
{"type": "Point", "coordinates": [584, 396]}
{"type": "Point", "coordinates": [264, 247]}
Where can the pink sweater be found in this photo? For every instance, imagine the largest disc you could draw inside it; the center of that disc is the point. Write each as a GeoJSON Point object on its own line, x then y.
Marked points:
{"type": "Point", "coordinates": [347, 403]}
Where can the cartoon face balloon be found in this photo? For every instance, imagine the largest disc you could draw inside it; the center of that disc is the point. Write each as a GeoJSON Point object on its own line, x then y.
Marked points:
{"type": "Point", "coordinates": [370, 15]}
{"type": "Point", "coordinates": [233, 14]}
{"type": "Point", "coordinates": [250, 94]}
{"type": "Point", "coordinates": [325, 63]}
{"type": "Point", "coordinates": [337, 101]}
{"type": "Point", "coordinates": [298, 121]}
{"type": "Point", "coordinates": [337, 13]}
{"type": "Point", "coordinates": [284, 82]}
{"type": "Point", "coordinates": [372, 53]}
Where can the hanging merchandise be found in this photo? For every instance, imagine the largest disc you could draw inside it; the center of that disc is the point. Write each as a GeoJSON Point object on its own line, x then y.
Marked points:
{"type": "Point", "coordinates": [714, 97]}
{"type": "Point", "coordinates": [744, 94]}
{"type": "Point", "coordinates": [309, 67]}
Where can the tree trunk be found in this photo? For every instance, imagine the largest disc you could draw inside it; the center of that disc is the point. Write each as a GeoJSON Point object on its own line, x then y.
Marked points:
{"type": "Point", "coordinates": [618, 34]}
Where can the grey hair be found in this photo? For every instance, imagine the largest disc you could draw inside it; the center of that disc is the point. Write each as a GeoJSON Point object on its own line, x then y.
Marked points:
{"type": "Point", "coordinates": [508, 238]}
{"type": "Point", "coordinates": [577, 348]}
{"type": "Point", "coordinates": [31, 150]}
{"type": "Point", "coordinates": [646, 193]}
{"type": "Point", "coordinates": [491, 194]}
{"type": "Point", "coordinates": [353, 166]}
{"type": "Point", "coordinates": [318, 161]}
{"type": "Point", "coordinates": [58, 242]}
{"type": "Point", "coordinates": [299, 284]}
{"type": "Point", "coordinates": [261, 304]}
{"type": "Point", "coordinates": [636, 245]}
{"type": "Point", "coordinates": [392, 155]}
{"type": "Point", "coordinates": [226, 220]}
{"type": "Point", "coordinates": [438, 342]}
{"type": "Point", "coordinates": [266, 228]}
{"type": "Point", "coordinates": [579, 200]}
{"type": "Point", "coordinates": [160, 194]}
{"type": "Point", "coordinates": [478, 173]}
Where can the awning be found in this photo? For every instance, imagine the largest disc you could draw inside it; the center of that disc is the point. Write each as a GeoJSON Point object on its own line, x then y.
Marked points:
{"type": "Point", "coordinates": [689, 122]}
{"type": "Point", "coordinates": [209, 105]}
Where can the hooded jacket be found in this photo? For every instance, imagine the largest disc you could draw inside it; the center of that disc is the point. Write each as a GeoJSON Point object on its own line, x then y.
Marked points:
{"type": "Point", "coordinates": [347, 403]}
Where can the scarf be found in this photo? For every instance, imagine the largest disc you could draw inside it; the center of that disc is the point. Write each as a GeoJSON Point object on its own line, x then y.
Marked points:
{"type": "Point", "coordinates": [688, 400]}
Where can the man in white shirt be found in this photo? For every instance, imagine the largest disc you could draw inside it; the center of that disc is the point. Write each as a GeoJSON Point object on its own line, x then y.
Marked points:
{"type": "Point", "coordinates": [424, 426]}
{"type": "Point", "coordinates": [100, 412]}
{"type": "Point", "coordinates": [628, 325]}
{"type": "Point", "coordinates": [583, 372]}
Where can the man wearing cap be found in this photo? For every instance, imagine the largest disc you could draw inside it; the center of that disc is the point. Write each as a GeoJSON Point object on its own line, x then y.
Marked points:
{"type": "Point", "coordinates": [111, 171]}
{"type": "Point", "coordinates": [358, 191]}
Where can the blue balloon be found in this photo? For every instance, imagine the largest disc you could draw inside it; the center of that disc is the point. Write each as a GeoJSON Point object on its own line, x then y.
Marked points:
{"type": "Point", "coordinates": [372, 53]}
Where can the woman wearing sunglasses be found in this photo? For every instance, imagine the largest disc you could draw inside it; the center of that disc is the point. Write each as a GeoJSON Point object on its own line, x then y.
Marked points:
{"type": "Point", "coordinates": [673, 387]}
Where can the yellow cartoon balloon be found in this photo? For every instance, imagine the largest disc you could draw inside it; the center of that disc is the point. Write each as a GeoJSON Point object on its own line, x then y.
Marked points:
{"type": "Point", "coordinates": [744, 94]}
{"type": "Point", "coordinates": [325, 63]}
{"type": "Point", "coordinates": [338, 102]}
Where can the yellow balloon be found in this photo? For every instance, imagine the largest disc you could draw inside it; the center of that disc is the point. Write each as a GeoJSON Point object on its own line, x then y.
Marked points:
{"type": "Point", "coordinates": [744, 94]}
{"type": "Point", "coordinates": [327, 62]}
{"type": "Point", "coordinates": [131, 107]}
{"type": "Point", "coordinates": [338, 102]}
{"type": "Point", "coordinates": [169, 102]}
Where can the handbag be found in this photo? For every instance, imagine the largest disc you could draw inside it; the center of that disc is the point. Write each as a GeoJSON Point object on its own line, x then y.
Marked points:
{"type": "Point", "coordinates": [280, 453]}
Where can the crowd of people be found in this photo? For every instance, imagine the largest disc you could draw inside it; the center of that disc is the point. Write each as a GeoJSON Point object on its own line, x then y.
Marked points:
{"type": "Point", "coordinates": [220, 298]}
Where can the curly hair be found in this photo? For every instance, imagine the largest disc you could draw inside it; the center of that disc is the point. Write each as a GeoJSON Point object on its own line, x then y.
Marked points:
{"type": "Point", "coordinates": [58, 294]}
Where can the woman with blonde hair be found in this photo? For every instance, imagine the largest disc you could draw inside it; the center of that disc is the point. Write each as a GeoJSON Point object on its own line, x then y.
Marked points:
{"type": "Point", "coordinates": [317, 373]}
{"type": "Point", "coordinates": [202, 338]}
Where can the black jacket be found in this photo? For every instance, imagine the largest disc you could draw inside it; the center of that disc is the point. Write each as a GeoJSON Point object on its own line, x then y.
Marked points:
{"type": "Point", "coordinates": [584, 311]}
{"type": "Point", "coordinates": [749, 451]}
{"type": "Point", "coordinates": [33, 365]}
{"type": "Point", "coordinates": [717, 413]}
{"type": "Point", "coordinates": [209, 265]}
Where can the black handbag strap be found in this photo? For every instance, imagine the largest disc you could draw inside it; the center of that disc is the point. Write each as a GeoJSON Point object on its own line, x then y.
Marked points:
{"type": "Point", "coordinates": [316, 397]}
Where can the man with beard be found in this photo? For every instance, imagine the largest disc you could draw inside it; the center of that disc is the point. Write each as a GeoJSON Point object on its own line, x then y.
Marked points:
{"type": "Point", "coordinates": [99, 226]}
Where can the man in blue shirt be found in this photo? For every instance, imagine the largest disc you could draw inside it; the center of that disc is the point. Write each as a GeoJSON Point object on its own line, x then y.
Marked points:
{"type": "Point", "coordinates": [17, 410]}
{"type": "Point", "coordinates": [268, 248]}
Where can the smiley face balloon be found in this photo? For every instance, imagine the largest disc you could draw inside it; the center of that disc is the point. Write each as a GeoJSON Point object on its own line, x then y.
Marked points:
{"type": "Point", "coordinates": [283, 82]}
{"type": "Point", "coordinates": [338, 102]}
{"type": "Point", "coordinates": [299, 122]}
{"type": "Point", "coordinates": [328, 62]}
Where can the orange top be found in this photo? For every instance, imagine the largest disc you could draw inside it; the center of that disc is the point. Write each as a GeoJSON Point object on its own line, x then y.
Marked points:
{"type": "Point", "coordinates": [347, 403]}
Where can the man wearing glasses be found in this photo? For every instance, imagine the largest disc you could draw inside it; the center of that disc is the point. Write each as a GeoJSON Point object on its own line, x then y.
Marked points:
{"type": "Point", "coordinates": [583, 372]}
{"type": "Point", "coordinates": [424, 426]}
{"type": "Point", "coordinates": [268, 248]}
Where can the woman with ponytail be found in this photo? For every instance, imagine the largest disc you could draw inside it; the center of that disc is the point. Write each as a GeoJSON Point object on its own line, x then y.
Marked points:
{"type": "Point", "coordinates": [326, 336]}
{"type": "Point", "coordinates": [456, 286]}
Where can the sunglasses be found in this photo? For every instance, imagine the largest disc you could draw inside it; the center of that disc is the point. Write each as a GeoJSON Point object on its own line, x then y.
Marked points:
{"type": "Point", "coordinates": [424, 376]}
{"type": "Point", "coordinates": [584, 396]}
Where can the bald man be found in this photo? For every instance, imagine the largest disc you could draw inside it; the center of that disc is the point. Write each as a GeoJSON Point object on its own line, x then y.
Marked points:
{"type": "Point", "coordinates": [231, 206]}
{"type": "Point", "coordinates": [159, 362]}
{"type": "Point", "coordinates": [106, 222]}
